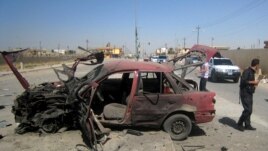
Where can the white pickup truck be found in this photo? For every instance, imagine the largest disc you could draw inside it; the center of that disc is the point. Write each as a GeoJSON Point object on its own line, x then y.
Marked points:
{"type": "Point", "coordinates": [223, 68]}
{"type": "Point", "coordinates": [159, 59]}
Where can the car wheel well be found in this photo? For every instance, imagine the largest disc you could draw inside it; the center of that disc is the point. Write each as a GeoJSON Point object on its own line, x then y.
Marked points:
{"type": "Point", "coordinates": [213, 76]}
{"type": "Point", "coordinates": [189, 114]}
{"type": "Point", "coordinates": [236, 79]}
{"type": "Point", "coordinates": [178, 125]}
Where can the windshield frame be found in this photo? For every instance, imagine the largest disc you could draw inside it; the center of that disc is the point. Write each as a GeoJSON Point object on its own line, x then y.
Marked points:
{"type": "Point", "coordinates": [223, 62]}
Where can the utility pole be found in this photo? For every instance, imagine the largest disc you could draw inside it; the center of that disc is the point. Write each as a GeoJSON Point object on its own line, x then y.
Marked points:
{"type": "Point", "coordinates": [87, 43]}
{"type": "Point", "coordinates": [136, 34]}
{"type": "Point", "coordinates": [184, 42]}
{"type": "Point", "coordinates": [212, 39]}
{"type": "Point", "coordinates": [136, 43]}
{"type": "Point", "coordinates": [198, 28]}
{"type": "Point", "coordinates": [40, 45]}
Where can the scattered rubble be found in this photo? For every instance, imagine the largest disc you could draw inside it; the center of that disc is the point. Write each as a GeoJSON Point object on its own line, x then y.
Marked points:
{"type": "Point", "coordinates": [4, 124]}
{"type": "Point", "coordinates": [2, 107]}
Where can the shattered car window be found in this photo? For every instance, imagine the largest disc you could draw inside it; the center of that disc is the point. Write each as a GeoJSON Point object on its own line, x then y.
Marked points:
{"type": "Point", "coordinates": [182, 84]}
{"type": "Point", "coordinates": [96, 73]}
{"type": "Point", "coordinates": [151, 82]}
{"type": "Point", "coordinates": [222, 62]}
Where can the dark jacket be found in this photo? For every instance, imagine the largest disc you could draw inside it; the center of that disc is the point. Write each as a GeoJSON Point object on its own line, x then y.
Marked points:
{"type": "Point", "coordinates": [247, 75]}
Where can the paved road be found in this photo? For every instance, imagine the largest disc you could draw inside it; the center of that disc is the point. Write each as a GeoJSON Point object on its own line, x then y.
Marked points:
{"type": "Point", "coordinates": [230, 91]}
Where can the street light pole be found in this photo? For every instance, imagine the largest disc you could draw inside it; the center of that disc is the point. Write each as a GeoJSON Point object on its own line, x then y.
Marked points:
{"type": "Point", "coordinates": [212, 39]}
{"type": "Point", "coordinates": [184, 42]}
{"type": "Point", "coordinates": [40, 45]}
{"type": "Point", "coordinates": [198, 28]}
{"type": "Point", "coordinates": [87, 43]}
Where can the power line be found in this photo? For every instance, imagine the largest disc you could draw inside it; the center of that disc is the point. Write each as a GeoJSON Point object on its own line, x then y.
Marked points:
{"type": "Point", "coordinates": [248, 7]}
{"type": "Point", "coordinates": [245, 26]}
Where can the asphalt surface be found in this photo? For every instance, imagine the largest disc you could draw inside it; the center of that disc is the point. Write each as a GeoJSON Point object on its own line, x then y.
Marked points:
{"type": "Point", "coordinates": [230, 91]}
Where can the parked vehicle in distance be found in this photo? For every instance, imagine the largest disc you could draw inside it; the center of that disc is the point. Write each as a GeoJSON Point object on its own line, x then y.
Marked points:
{"type": "Point", "coordinates": [154, 58]}
{"type": "Point", "coordinates": [162, 59]}
{"type": "Point", "coordinates": [159, 59]}
{"type": "Point", "coordinates": [193, 59]}
{"type": "Point", "coordinates": [223, 68]}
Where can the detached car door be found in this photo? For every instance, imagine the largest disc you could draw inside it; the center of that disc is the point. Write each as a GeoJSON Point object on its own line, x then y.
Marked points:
{"type": "Point", "coordinates": [153, 100]}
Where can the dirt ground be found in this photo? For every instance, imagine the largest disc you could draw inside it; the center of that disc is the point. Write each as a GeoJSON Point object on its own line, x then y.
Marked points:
{"type": "Point", "coordinates": [72, 140]}
{"type": "Point", "coordinates": [221, 134]}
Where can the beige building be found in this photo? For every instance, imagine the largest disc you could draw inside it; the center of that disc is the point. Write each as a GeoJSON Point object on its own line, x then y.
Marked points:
{"type": "Point", "coordinates": [111, 52]}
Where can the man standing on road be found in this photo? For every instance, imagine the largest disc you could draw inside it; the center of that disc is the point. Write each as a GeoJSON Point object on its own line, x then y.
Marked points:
{"type": "Point", "coordinates": [204, 77]}
{"type": "Point", "coordinates": [247, 88]}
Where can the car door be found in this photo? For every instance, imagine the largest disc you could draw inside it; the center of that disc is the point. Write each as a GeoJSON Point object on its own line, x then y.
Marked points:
{"type": "Point", "coordinates": [151, 105]}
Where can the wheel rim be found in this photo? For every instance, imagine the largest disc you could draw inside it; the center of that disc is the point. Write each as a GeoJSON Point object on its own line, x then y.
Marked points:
{"type": "Point", "coordinates": [178, 127]}
{"type": "Point", "coordinates": [50, 126]}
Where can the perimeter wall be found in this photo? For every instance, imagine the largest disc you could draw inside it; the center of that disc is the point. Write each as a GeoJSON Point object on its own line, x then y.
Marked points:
{"type": "Point", "coordinates": [243, 57]}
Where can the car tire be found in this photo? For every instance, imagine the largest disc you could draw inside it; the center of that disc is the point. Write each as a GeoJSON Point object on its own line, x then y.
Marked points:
{"type": "Point", "coordinates": [236, 80]}
{"type": "Point", "coordinates": [213, 76]}
{"type": "Point", "coordinates": [178, 126]}
{"type": "Point", "coordinates": [50, 125]}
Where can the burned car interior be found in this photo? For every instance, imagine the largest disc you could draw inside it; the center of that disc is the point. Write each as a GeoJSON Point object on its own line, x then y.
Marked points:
{"type": "Point", "coordinates": [136, 94]}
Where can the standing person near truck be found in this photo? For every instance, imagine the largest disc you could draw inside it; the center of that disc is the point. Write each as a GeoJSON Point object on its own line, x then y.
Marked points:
{"type": "Point", "coordinates": [247, 88]}
{"type": "Point", "coordinates": [204, 77]}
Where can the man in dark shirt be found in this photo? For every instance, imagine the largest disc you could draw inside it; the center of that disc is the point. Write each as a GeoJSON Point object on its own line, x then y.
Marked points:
{"type": "Point", "coordinates": [247, 88]}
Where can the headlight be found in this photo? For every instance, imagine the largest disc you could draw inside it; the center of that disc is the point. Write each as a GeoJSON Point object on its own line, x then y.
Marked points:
{"type": "Point", "coordinates": [220, 70]}
{"type": "Point", "coordinates": [237, 70]}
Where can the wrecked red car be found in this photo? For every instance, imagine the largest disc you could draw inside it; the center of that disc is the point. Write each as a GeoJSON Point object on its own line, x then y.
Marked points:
{"type": "Point", "coordinates": [149, 95]}
{"type": "Point", "coordinates": [119, 93]}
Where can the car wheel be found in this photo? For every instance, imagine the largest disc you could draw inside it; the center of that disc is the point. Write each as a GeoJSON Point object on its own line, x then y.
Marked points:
{"type": "Point", "coordinates": [236, 80]}
{"type": "Point", "coordinates": [213, 76]}
{"type": "Point", "coordinates": [178, 126]}
{"type": "Point", "coordinates": [50, 125]}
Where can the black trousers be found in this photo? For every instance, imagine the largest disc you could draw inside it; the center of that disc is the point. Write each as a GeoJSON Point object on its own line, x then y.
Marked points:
{"type": "Point", "coordinates": [203, 84]}
{"type": "Point", "coordinates": [247, 102]}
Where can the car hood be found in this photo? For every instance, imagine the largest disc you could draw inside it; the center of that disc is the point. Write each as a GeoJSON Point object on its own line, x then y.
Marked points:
{"type": "Point", "coordinates": [226, 67]}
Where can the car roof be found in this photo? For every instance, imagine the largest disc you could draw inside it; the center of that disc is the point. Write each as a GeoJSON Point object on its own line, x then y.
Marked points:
{"type": "Point", "coordinates": [209, 51]}
{"type": "Point", "coordinates": [124, 65]}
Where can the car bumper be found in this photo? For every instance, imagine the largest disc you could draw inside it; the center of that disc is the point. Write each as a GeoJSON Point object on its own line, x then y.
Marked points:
{"type": "Point", "coordinates": [204, 117]}
{"type": "Point", "coordinates": [161, 61]}
{"type": "Point", "coordinates": [225, 75]}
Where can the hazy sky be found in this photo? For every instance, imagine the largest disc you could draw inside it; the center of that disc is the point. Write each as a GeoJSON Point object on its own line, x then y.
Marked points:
{"type": "Point", "coordinates": [69, 23]}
